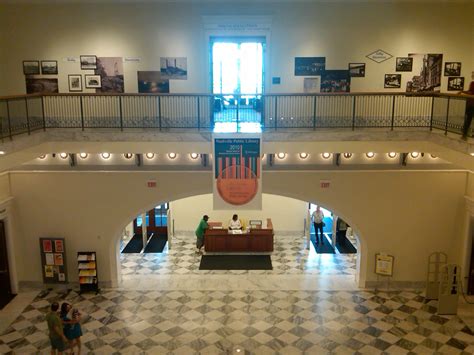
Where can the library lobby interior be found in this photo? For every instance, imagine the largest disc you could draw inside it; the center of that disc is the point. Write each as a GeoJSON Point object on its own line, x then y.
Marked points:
{"type": "Point", "coordinates": [266, 177]}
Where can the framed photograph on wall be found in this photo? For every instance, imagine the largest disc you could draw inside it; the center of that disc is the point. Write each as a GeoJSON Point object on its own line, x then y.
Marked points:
{"type": "Point", "coordinates": [404, 64]}
{"type": "Point", "coordinates": [357, 70]}
{"type": "Point", "coordinates": [93, 81]}
{"type": "Point", "coordinates": [452, 68]}
{"type": "Point", "coordinates": [88, 62]}
{"type": "Point", "coordinates": [392, 81]}
{"type": "Point", "coordinates": [75, 82]}
{"type": "Point", "coordinates": [455, 83]}
{"type": "Point", "coordinates": [49, 67]}
{"type": "Point", "coordinates": [309, 66]}
{"type": "Point", "coordinates": [31, 67]}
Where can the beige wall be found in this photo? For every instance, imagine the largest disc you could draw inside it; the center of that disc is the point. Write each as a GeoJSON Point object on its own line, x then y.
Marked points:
{"type": "Point", "coordinates": [287, 214]}
{"type": "Point", "coordinates": [4, 186]}
{"type": "Point", "coordinates": [342, 32]}
{"type": "Point", "coordinates": [406, 214]}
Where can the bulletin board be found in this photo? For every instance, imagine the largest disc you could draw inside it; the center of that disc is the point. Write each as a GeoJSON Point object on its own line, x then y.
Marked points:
{"type": "Point", "coordinates": [53, 260]}
{"type": "Point", "coordinates": [384, 264]}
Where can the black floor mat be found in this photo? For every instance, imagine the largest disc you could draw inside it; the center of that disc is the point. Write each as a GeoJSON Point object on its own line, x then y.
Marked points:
{"type": "Point", "coordinates": [135, 245]}
{"type": "Point", "coordinates": [236, 262]}
{"type": "Point", "coordinates": [344, 245]}
{"type": "Point", "coordinates": [322, 248]}
{"type": "Point", "coordinates": [4, 300]}
{"type": "Point", "coordinates": [156, 244]}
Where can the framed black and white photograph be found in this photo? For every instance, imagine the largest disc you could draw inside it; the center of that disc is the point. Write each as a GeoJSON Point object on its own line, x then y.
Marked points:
{"type": "Point", "coordinates": [75, 82]}
{"type": "Point", "coordinates": [93, 81]}
{"type": "Point", "coordinates": [88, 62]}
{"type": "Point", "coordinates": [31, 67]}
{"type": "Point", "coordinates": [41, 86]}
{"type": "Point", "coordinates": [49, 67]}
{"type": "Point", "coordinates": [357, 70]}
{"type": "Point", "coordinates": [392, 81]}
{"type": "Point", "coordinates": [455, 83]}
{"type": "Point", "coordinates": [452, 68]}
{"type": "Point", "coordinates": [110, 70]}
{"type": "Point", "coordinates": [174, 68]}
{"type": "Point", "coordinates": [404, 64]}
{"type": "Point", "coordinates": [151, 82]}
{"type": "Point", "coordinates": [309, 66]}
{"type": "Point", "coordinates": [335, 81]}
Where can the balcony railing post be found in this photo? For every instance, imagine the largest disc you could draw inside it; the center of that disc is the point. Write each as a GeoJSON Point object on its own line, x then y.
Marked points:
{"type": "Point", "coordinates": [276, 112]}
{"type": "Point", "coordinates": [262, 111]}
{"type": "Point", "coordinates": [393, 112]}
{"type": "Point", "coordinates": [432, 112]}
{"type": "Point", "coordinates": [42, 112]}
{"type": "Point", "coordinates": [212, 101]}
{"type": "Point", "coordinates": [159, 112]}
{"type": "Point", "coordinates": [27, 116]}
{"type": "Point", "coordinates": [82, 113]}
{"type": "Point", "coordinates": [237, 112]}
{"type": "Point", "coordinates": [447, 117]}
{"type": "Point", "coordinates": [314, 112]}
{"type": "Point", "coordinates": [198, 114]}
{"type": "Point", "coordinates": [121, 113]}
{"type": "Point", "coordinates": [9, 121]}
{"type": "Point", "coordinates": [353, 111]}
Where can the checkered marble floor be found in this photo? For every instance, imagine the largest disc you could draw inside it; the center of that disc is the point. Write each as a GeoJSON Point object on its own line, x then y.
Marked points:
{"type": "Point", "coordinates": [290, 256]}
{"type": "Point", "coordinates": [254, 322]}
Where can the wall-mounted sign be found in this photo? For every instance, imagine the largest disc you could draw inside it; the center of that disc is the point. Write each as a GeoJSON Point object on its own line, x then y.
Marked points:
{"type": "Point", "coordinates": [379, 56]}
{"type": "Point", "coordinates": [71, 60]}
{"type": "Point", "coordinates": [132, 59]}
{"type": "Point", "coordinates": [384, 264]}
{"type": "Point", "coordinates": [325, 184]}
{"type": "Point", "coordinates": [151, 183]}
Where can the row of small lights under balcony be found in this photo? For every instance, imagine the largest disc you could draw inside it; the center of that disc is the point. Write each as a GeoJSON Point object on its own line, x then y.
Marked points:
{"type": "Point", "coordinates": [369, 155]}
{"type": "Point", "coordinates": [106, 155]}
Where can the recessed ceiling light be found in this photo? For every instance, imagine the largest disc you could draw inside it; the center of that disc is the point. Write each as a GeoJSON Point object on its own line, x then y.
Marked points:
{"type": "Point", "coordinates": [42, 156]}
{"type": "Point", "coordinates": [303, 155]}
{"type": "Point", "coordinates": [105, 155]}
{"type": "Point", "coordinates": [347, 155]}
{"type": "Point", "coordinates": [171, 155]}
{"type": "Point", "coordinates": [415, 154]}
{"type": "Point", "coordinates": [194, 155]}
{"type": "Point", "coordinates": [435, 157]}
{"type": "Point", "coordinates": [392, 155]}
{"type": "Point", "coordinates": [150, 155]}
{"type": "Point", "coordinates": [63, 155]}
{"type": "Point", "coordinates": [326, 155]}
{"type": "Point", "coordinates": [83, 155]}
{"type": "Point", "coordinates": [370, 154]}
{"type": "Point", "coordinates": [472, 154]}
{"type": "Point", "coordinates": [281, 155]}
{"type": "Point", "coordinates": [2, 152]}
{"type": "Point", "coordinates": [128, 155]}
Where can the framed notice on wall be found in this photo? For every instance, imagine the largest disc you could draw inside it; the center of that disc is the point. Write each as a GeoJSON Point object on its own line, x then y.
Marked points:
{"type": "Point", "coordinates": [53, 260]}
{"type": "Point", "coordinates": [384, 264]}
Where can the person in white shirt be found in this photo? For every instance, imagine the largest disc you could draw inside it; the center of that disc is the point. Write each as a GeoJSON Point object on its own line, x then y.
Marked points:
{"type": "Point", "coordinates": [317, 217]}
{"type": "Point", "coordinates": [234, 223]}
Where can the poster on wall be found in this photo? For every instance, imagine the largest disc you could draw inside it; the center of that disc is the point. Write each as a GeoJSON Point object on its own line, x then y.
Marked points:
{"type": "Point", "coordinates": [311, 85]}
{"type": "Point", "coordinates": [455, 83]}
{"type": "Point", "coordinates": [110, 70]}
{"type": "Point", "coordinates": [427, 69]}
{"type": "Point", "coordinates": [336, 81]}
{"type": "Point", "coordinates": [357, 70]}
{"type": "Point", "coordinates": [309, 66]}
{"type": "Point", "coordinates": [53, 260]}
{"type": "Point", "coordinates": [174, 68]}
{"type": "Point", "coordinates": [151, 82]}
{"type": "Point", "coordinates": [237, 180]}
{"type": "Point", "coordinates": [41, 86]}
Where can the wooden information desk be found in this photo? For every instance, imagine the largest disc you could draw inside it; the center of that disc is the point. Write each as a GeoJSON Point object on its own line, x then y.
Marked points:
{"type": "Point", "coordinates": [255, 240]}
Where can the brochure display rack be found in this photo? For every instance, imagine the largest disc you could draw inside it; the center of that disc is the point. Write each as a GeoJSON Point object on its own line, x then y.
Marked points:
{"type": "Point", "coordinates": [87, 267]}
{"type": "Point", "coordinates": [53, 260]}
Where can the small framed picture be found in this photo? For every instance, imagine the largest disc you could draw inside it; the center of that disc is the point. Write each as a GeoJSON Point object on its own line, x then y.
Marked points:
{"type": "Point", "coordinates": [357, 70]}
{"type": "Point", "coordinates": [88, 62]}
{"type": "Point", "coordinates": [47, 246]}
{"type": "Point", "coordinates": [31, 67]}
{"type": "Point", "coordinates": [49, 67]}
{"type": "Point", "coordinates": [392, 81]}
{"type": "Point", "coordinates": [404, 64]}
{"type": "Point", "coordinates": [93, 81]}
{"type": "Point", "coordinates": [452, 68]}
{"type": "Point", "coordinates": [58, 246]}
{"type": "Point", "coordinates": [455, 83]}
{"type": "Point", "coordinates": [75, 82]}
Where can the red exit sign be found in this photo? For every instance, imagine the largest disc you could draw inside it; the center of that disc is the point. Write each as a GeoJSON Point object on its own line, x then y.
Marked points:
{"type": "Point", "coordinates": [151, 183]}
{"type": "Point", "coordinates": [325, 184]}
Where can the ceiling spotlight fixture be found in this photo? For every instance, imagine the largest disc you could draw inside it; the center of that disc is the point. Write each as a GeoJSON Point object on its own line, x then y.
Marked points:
{"type": "Point", "coordinates": [105, 155]}
{"type": "Point", "coordinates": [392, 155]}
{"type": "Point", "coordinates": [172, 155]}
{"type": "Point", "coordinates": [42, 156]}
{"type": "Point", "coordinates": [194, 155]}
{"type": "Point", "coordinates": [128, 155]}
{"type": "Point", "coordinates": [347, 155]}
{"type": "Point", "coordinates": [303, 155]}
{"type": "Point", "coordinates": [150, 155]}
{"type": "Point", "coordinates": [2, 152]}
{"type": "Point", "coordinates": [281, 155]}
{"type": "Point", "coordinates": [370, 154]}
{"type": "Point", "coordinates": [415, 154]}
{"type": "Point", "coordinates": [83, 155]}
{"type": "Point", "coordinates": [326, 155]}
{"type": "Point", "coordinates": [63, 155]}
{"type": "Point", "coordinates": [472, 154]}
{"type": "Point", "coordinates": [434, 156]}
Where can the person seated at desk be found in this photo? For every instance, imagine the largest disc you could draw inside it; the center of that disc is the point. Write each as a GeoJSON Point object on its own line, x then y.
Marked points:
{"type": "Point", "coordinates": [235, 223]}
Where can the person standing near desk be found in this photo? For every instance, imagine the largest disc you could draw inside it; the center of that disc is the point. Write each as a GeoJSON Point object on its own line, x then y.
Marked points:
{"type": "Point", "coordinates": [200, 233]}
{"type": "Point", "coordinates": [234, 223]}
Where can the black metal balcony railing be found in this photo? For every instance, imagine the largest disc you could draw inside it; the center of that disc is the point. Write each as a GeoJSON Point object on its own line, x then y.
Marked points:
{"type": "Point", "coordinates": [27, 113]}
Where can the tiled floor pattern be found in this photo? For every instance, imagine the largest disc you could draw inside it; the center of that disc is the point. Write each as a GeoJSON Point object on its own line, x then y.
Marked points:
{"type": "Point", "coordinates": [258, 322]}
{"type": "Point", "coordinates": [289, 257]}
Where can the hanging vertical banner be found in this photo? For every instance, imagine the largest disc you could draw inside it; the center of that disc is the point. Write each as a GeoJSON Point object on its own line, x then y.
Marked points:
{"type": "Point", "coordinates": [237, 172]}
